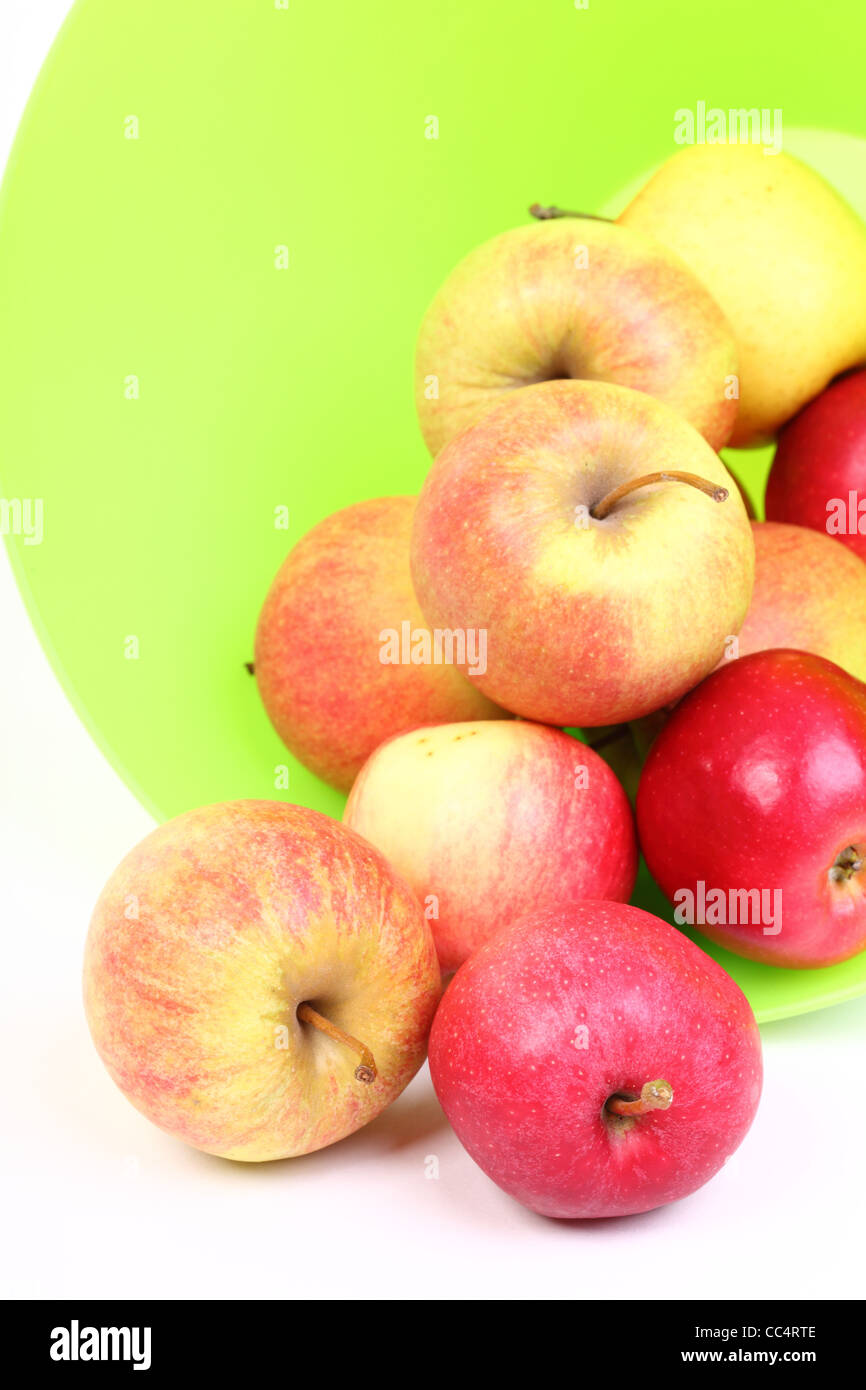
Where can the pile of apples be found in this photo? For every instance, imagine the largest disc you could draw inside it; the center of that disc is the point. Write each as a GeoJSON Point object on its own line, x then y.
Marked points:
{"type": "Point", "coordinates": [261, 980]}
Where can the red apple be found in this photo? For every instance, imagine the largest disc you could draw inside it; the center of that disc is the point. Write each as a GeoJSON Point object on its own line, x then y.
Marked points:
{"type": "Point", "coordinates": [258, 980]}
{"type": "Point", "coordinates": [577, 298]}
{"type": "Point", "coordinates": [818, 477]}
{"type": "Point", "coordinates": [809, 594]}
{"type": "Point", "coordinates": [607, 588]}
{"type": "Point", "coordinates": [752, 809]}
{"type": "Point", "coordinates": [595, 1062]}
{"type": "Point", "coordinates": [487, 820]}
{"type": "Point", "coordinates": [343, 657]}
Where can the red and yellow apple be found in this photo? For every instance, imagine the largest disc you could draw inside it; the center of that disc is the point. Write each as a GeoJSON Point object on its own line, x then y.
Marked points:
{"type": "Point", "coordinates": [339, 657]}
{"type": "Point", "coordinates": [577, 298]}
{"type": "Point", "coordinates": [809, 594]}
{"type": "Point", "coordinates": [487, 820]}
{"type": "Point", "coordinates": [258, 980]}
{"type": "Point", "coordinates": [557, 525]}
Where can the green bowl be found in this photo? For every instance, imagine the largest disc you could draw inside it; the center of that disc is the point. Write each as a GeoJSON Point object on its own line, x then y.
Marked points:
{"type": "Point", "coordinates": [220, 225]}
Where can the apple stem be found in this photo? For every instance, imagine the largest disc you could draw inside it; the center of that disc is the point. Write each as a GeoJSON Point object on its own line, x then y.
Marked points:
{"type": "Point", "coordinates": [847, 864]}
{"type": "Point", "coordinates": [366, 1072]}
{"type": "Point", "coordinates": [656, 1095]}
{"type": "Point", "coordinates": [601, 509]}
{"type": "Point", "coordinates": [546, 214]}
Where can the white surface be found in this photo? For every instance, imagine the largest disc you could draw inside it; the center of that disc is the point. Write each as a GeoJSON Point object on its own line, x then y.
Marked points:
{"type": "Point", "coordinates": [97, 1203]}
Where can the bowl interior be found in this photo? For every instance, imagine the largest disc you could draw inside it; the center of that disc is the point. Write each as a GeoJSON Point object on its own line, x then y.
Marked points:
{"type": "Point", "coordinates": [219, 229]}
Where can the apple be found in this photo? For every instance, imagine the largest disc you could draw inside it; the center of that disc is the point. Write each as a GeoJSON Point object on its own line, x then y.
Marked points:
{"type": "Point", "coordinates": [785, 257]}
{"type": "Point", "coordinates": [579, 298]}
{"type": "Point", "coordinates": [562, 527]}
{"type": "Point", "coordinates": [258, 980]}
{"type": "Point", "coordinates": [809, 594]}
{"type": "Point", "coordinates": [486, 820]}
{"type": "Point", "coordinates": [343, 657]}
{"type": "Point", "coordinates": [818, 477]}
{"type": "Point", "coordinates": [595, 1062]}
{"type": "Point", "coordinates": [752, 809]}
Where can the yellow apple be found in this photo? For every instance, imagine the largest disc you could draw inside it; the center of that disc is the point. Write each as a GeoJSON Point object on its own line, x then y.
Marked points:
{"type": "Point", "coordinates": [784, 255]}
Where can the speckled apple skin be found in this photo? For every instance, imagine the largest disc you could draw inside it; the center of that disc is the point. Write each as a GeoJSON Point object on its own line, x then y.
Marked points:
{"type": "Point", "coordinates": [821, 455]}
{"type": "Point", "coordinates": [809, 594]}
{"type": "Point", "coordinates": [758, 781]}
{"type": "Point", "coordinates": [206, 939]}
{"type": "Point", "coordinates": [573, 298]}
{"type": "Point", "coordinates": [486, 821]}
{"type": "Point", "coordinates": [572, 1006]}
{"type": "Point", "coordinates": [318, 644]}
{"type": "Point", "coordinates": [589, 622]}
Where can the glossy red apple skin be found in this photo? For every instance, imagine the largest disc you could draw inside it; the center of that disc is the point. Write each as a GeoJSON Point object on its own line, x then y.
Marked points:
{"type": "Point", "coordinates": [821, 455]}
{"type": "Point", "coordinates": [758, 782]}
{"type": "Point", "coordinates": [488, 820]}
{"type": "Point", "coordinates": [569, 1007]}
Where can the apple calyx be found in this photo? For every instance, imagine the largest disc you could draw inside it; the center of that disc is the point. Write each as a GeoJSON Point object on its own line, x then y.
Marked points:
{"type": "Point", "coordinates": [366, 1070]}
{"type": "Point", "coordinates": [602, 508]}
{"type": "Point", "coordinates": [655, 1095]}
{"type": "Point", "coordinates": [847, 864]}
{"type": "Point", "coordinates": [546, 214]}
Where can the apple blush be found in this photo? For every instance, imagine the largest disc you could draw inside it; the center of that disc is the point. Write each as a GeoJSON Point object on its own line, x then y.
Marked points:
{"type": "Point", "coordinates": [258, 981]}
{"type": "Point", "coordinates": [595, 1062]}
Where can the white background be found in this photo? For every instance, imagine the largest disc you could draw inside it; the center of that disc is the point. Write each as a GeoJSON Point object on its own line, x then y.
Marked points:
{"type": "Point", "coordinates": [97, 1203]}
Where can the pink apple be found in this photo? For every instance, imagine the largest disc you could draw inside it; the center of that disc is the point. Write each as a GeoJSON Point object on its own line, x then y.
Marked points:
{"type": "Point", "coordinates": [818, 477]}
{"type": "Point", "coordinates": [595, 1062]}
{"type": "Point", "coordinates": [809, 594]}
{"type": "Point", "coordinates": [575, 298]}
{"type": "Point", "coordinates": [258, 981]}
{"type": "Point", "coordinates": [606, 588]}
{"type": "Point", "coordinates": [752, 809]}
{"type": "Point", "coordinates": [487, 820]}
{"type": "Point", "coordinates": [343, 657]}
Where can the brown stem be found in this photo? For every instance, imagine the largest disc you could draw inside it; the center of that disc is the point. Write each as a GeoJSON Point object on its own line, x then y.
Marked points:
{"type": "Point", "coordinates": [656, 1095]}
{"type": "Point", "coordinates": [366, 1072]}
{"type": "Point", "coordinates": [601, 509]}
{"type": "Point", "coordinates": [250, 667]}
{"type": "Point", "coordinates": [546, 214]}
{"type": "Point", "coordinates": [848, 864]}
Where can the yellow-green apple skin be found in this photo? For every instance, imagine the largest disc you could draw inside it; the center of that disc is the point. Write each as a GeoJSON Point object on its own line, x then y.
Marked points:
{"type": "Point", "coordinates": [487, 821]}
{"type": "Point", "coordinates": [588, 621]}
{"type": "Point", "coordinates": [207, 938]}
{"type": "Point", "coordinates": [809, 594]}
{"type": "Point", "coordinates": [785, 257]}
{"type": "Point", "coordinates": [573, 298]}
{"type": "Point", "coordinates": [319, 644]}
